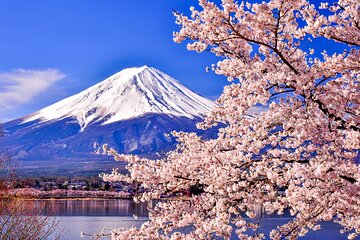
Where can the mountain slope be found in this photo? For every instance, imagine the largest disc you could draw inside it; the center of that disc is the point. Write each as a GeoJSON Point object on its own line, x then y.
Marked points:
{"type": "Point", "coordinates": [133, 111]}
{"type": "Point", "coordinates": [127, 94]}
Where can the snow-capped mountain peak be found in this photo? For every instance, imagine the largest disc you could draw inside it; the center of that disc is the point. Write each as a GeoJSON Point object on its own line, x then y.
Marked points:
{"type": "Point", "coordinates": [127, 94]}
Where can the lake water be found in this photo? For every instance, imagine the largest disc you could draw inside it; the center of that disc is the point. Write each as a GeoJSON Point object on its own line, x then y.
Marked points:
{"type": "Point", "coordinates": [92, 216]}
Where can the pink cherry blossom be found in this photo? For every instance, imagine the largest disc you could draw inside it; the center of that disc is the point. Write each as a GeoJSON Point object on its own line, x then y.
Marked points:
{"type": "Point", "coordinates": [297, 155]}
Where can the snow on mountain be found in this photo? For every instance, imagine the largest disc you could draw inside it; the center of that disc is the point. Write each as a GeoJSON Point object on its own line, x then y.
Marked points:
{"type": "Point", "coordinates": [127, 94]}
{"type": "Point", "coordinates": [133, 111]}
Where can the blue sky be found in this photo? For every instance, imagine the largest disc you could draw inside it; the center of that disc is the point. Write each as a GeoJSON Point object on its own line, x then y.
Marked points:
{"type": "Point", "coordinates": [52, 49]}
{"type": "Point", "coordinates": [72, 44]}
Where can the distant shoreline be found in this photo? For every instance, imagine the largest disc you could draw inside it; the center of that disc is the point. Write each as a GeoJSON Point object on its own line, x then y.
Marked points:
{"type": "Point", "coordinates": [65, 198]}
{"type": "Point", "coordinates": [35, 194]}
{"type": "Point", "coordinates": [58, 194]}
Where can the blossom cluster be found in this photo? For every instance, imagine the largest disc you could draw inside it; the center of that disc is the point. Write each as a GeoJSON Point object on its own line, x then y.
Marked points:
{"type": "Point", "coordinates": [299, 155]}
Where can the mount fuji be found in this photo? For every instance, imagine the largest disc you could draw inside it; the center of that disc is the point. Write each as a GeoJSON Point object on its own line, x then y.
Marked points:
{"type": "Point", "coordinates": [133, 111]}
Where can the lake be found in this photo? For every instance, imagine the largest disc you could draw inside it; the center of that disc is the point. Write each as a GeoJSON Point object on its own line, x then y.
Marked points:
{"type": "Point", "coordinates": [92, 216]}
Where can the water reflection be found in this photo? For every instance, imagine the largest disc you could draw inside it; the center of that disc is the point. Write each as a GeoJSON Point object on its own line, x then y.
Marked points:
{"type": "Point", "coordinates": [93, 207]}
{"type": "Point", "coordinates": [91, 216]}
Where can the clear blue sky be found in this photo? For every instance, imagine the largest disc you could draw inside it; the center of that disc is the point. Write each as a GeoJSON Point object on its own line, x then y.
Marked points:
{"type": "Point", "coordinates": [77, 43]}
{"type": "Point", "coordinates": [52, 49]}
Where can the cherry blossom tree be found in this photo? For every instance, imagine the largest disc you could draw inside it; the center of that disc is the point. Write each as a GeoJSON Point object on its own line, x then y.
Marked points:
{"type": "Point", "coordinates": [298, 156]}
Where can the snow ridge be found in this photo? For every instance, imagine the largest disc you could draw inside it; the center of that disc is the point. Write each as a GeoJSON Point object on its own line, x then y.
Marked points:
{"type": "Point", "coordinates": [127, 94]}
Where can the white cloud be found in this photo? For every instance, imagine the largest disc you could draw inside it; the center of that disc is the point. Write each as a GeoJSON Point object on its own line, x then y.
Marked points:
{"type": "Point", "coordinates": [22, 85]}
